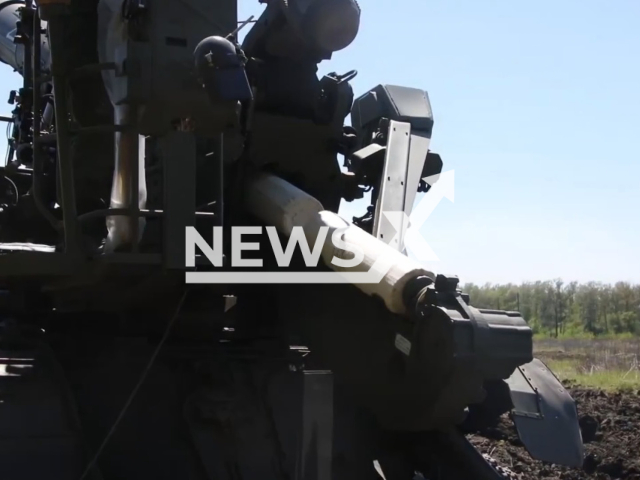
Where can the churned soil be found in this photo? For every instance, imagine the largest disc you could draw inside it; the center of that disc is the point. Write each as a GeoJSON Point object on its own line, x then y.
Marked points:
{"type": "Point", "coordinates": [610, 425]}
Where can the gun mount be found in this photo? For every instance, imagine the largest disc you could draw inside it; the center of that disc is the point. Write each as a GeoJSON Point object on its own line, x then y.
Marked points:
{"type": "Point", "coordinates": [141, 120]}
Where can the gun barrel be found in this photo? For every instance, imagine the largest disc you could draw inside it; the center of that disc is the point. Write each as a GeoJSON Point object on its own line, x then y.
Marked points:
{"type": "Point", "coordinates": [280, 204]}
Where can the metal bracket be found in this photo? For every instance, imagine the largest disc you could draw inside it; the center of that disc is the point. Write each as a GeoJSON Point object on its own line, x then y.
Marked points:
{"type": "Point", "coordinates": [545, 415]}
{"type": "Point", "coordinates": [179, 175]}
{"type": "Point", "coordinates": [393, 184]}
{"type": "Point", "coordinates": [524, 395]}
{"type": "Point", "coordinates": [404, 160]}
{"type": "Point", "coordinates": [418, 151]}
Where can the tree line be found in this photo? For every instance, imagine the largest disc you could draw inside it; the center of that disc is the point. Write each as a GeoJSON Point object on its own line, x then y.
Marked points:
{"type": "Point", "coordinates": [558, 308]}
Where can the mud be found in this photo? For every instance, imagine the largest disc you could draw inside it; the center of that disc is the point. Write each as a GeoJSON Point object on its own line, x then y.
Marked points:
{"type": "Point", "coordinates": [610, 425]}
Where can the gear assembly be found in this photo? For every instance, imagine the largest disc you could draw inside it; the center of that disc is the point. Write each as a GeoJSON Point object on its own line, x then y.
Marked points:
{"type": "Point", "coordinates": [140, 119]}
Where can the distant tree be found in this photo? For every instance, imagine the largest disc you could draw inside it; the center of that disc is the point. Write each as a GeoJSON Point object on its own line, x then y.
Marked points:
{"type": "Point", "coordinates": [556, 307]}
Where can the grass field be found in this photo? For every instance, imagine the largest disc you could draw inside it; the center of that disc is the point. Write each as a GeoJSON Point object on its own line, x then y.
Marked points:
{"type": "Point", "coordinates": [599, 363]}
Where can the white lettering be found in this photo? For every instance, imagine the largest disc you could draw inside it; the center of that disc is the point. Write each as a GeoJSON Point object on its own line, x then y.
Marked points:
{"type": "Point", "coordinates": [338, 241]}
{"type": "Point", "coordinates": [237, 246]}
{"type": "Point", "coordinates": [283, 258]}
{"type": "Point", "coordinates": [214, 254]}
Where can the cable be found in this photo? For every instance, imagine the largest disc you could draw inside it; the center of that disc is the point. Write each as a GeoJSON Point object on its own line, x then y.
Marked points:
{"type": "Point", "coordinates": [15, 189]}
{"type": "Point", "coordinates": [136, 388]}
{"type": "Point", "coordinates": [6, 156]}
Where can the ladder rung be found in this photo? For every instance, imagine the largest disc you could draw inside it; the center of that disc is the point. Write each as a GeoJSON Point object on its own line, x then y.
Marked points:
{"type": "Point", "coordinates": [99, 129]}
{"type": "Point", "coordinates": [51, 137]}
{"type": "Point", "coordinates": [80, 71]}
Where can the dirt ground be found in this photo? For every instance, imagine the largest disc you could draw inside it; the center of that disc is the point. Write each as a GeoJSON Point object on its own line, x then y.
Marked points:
{"type": "Point", "coordinates": [610, 424]}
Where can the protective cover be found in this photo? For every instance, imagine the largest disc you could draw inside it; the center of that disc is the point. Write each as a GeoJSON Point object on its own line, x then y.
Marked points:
{"type": "Point", "coordinates": [545, 415]}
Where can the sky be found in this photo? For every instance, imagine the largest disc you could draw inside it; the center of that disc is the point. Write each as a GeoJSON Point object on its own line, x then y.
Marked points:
{"type": "Point", "coordinates": [537, 111]}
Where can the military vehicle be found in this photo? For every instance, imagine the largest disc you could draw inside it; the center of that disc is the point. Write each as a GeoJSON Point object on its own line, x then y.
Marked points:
{"type": "Point", "coordinates": [140, 121]}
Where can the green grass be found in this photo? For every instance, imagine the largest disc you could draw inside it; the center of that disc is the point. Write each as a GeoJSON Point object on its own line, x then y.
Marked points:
{"type": "Point", "coordinates": [585, 336]}
{"type": "Point", "coordinates": [609, 363]}
{"type": "Point", "coordinates": [610, 380]}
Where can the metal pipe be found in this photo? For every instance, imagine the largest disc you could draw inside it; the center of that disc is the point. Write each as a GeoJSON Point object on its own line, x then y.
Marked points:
{"type": "Point", "coordinates": [134, 188]}
{"type": "Point", "coordinates": [129, 189]}
{"type": "Point", "coordinates": [65, 163]}
{"type": "Point", "coordinates": [38, 164]}
{"type": "Point", "coordinates": [47, 116]}
{"type": "Point", "coordinates": [27, 74]}
{"type": "Point", "coordinates": [386, 271]}
{"type": "Point", "coordinates": [219, 157]}
{"type": "Point", "coordinates": [125, 212]}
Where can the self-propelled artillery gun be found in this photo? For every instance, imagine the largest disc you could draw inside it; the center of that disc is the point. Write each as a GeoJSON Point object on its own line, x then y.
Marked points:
{"type": "Point", "coordinates": [143, 126]}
